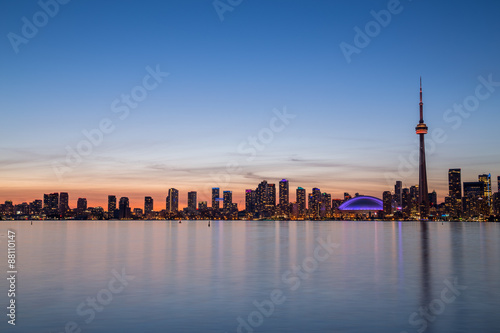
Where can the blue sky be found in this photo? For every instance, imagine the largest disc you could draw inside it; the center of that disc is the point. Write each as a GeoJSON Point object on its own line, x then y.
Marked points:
{"type": "Point", "coordinates": [353, 124]}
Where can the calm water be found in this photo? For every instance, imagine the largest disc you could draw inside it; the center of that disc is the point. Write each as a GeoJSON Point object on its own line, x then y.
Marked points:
{"type": "Point", "coordinates": [322, 277]}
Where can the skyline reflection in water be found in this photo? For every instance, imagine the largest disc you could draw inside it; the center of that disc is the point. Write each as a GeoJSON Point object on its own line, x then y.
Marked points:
{"type": "Point", "coordinates": [189, 277]}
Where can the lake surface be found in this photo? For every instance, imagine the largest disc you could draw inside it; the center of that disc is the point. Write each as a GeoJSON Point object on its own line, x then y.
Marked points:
{"type": "Point", "coordinates": [165, 276]}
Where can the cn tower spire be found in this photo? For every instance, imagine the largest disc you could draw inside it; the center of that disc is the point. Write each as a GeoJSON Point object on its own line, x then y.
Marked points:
{"type": "Point", "coordinates": [421, 104]}
{"type": "Point", "coordinates": [423, 199]}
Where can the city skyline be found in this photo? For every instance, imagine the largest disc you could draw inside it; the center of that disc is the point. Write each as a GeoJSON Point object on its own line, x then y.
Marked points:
{"type": "Point", "coordinates": [208, 94]}
{"type": "Point", "coordinates": [455, 188]}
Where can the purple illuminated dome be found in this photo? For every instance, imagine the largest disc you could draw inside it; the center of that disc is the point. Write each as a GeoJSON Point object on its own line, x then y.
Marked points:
{"type": "Point", "coordinates": [362, 202]}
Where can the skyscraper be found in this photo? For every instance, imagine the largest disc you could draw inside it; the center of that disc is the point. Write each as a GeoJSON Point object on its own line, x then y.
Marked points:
{"type": "Point", "coordinates": [421, 130]}
{"type": "Point", "coordinates": [398, 188]}
{"type": "Point", "coordinates": [249, 201]}
{"type": "Point", "coordinates": [455, 192]}
{"type": "Point", "coordinates": [284, 194]}
{"type": "Point", "coordinates": [301, 201]}
{"type": "Point", "coordinates": [455, 183]}
{"type": "Point", "coordinates": [81, 205]}
{"type": "Point", "coordinates": [387, 202]}
{"type": "Point", "coordinates": [148, 206]}
{"type": "Point", "coordinates": [215, 198]}
{"type": "Point", "coordinates": [228, 200]}
{"type": "Point", "coordinates": [486, 180]}
{"type": "Point", "coordinates": [51, 204]}
{"type": "Point", "coordinates": [124, 209]}
{"type": "Point", "coordinates": [192, 200]}
{"type": "Point", "coordinates": [111, 205]}
{"type": "Point", "coordinates": [63, 203]}
{"type": "Point", "coordinates": [172, 200]}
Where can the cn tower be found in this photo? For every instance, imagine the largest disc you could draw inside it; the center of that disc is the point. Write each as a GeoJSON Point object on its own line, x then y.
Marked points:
{"type": "Point", "coordinates": [423, 193]}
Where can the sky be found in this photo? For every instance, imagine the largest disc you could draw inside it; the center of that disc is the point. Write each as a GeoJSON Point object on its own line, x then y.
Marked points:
{"type": "Point", "coordinates": [132, 98]}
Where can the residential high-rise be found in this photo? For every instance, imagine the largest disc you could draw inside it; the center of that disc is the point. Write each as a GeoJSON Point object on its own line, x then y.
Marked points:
{"type": "Point", "coordinates": [63, 203]}
{"type": "Point", "coordinates": [326, 205]}
{"type": "Point", "coordinates": [387, 202]}
{"type": "Point", "coordinates": [284, 194]}
{"type": "Point", "coordinates": [301, 201]}
{"type": "Point", "coordinates": [81, 205]}
{"type": "Point", "coordinates": [406, 203]}
{"type": "Point", "coordinates": [228, 200]}
{"type": "Point", "coordinates": [314, 202]}
{"type": "Point", "coordinates": [192, 200]}
{"type": "Point", "coordinates": [172, 205]}
{"type": "Point", "coordinates": [111, 205]}
{"type": "Point", "coordinates": [454, 204]}
{"type": "Point", "coordinates": [123, 208]}
{"type": "Point", "coordinates": [398, 191]}
{"type": "Point", "coordinates": [51, 204]}
{"type": "Point", "coordinates": [148, 206]}
{"type": "Point", "coordinates": [250, 201]}
{"type": "Point", "coordinates": [421, 130]}
{"type": "Point", "coordinates": [215, 198]}
{"type": "Point", "coordinates": [272, 196]}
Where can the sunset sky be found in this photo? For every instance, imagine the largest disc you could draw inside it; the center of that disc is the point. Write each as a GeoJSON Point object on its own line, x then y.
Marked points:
{"type": "Point", "coordinates": [351, 120]}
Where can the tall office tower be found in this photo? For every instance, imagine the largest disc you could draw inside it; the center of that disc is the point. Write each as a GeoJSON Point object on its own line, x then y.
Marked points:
{"type": "Point", "coordinates": [249, 201]}
{"type": "Point", "coordinates": [123, 208]}
{"type": "Point", "coordinates": [406, 202]}
{"type": "Point", "coordinates": [192, 200]}
{"type": "Point", "coordinates": [496, 203]}
{"type": "Point", "coordinates": [486, 180]}
{"type": "Point", "coordinates": [111, 205]}
{"type": "Point", "coordinates": [265, 198]}
{"type": "Point", "coordinates": [326, 205]}
{"type": "Point", "coordinates": [387, 202]}
{"type": "Point", "coordinates": [398, 188]}
{"type": "Point", "coordinates": [272, 196]}
{"type": "Point", "coordinates": [454, 206]}
{"type": "Point", "coordinates": [215, 198]}
{"type": "Point", "coordinates": [421, 130]}
{"type": "Point", "coordinates": [228, 200]}
{"type": "Point", "coordinates": [433, 199]}
{"type": "Point", "coordinates": [81, 205]}
{"type": "Point", "coordinates": [473, 201]}
{"type": "Point", "coordinates": [172, 200]}
{"type": "Point", "coordinates": [148, 206]}
{"type": "Point", "coordinates": [315, 202]}
{"type": "Point", "coordinates": [301, 201]}
{"type": "Point", "coordinates": [455, 183]}
{"type": "Point", "coordinates": [51, 204]}
{"type": "Point", "coordinates": [63, 203]}
{"type": "Point", "coordinates": [284, 194]}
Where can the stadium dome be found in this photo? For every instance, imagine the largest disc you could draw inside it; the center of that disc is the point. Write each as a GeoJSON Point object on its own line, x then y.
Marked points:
{"type": "Point", "coordinates": [362, 202]}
